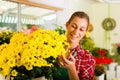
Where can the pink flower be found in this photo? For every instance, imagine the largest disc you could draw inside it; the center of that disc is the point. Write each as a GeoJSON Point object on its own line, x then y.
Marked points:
{"type": "Point", "coordinates": [118, 44]}
{"type": "Point", "coordinates": [33, 28]}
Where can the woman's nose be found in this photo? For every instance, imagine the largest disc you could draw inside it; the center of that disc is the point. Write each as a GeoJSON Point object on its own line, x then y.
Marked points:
{"type": "Point", "coordinates": [76, 31]}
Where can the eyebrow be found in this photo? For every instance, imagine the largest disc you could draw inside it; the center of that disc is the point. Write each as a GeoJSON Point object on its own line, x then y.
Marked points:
{"type": "Point", "coordinates": [74, 24]}
{"type": "Point", "coordinates": [80, 25]}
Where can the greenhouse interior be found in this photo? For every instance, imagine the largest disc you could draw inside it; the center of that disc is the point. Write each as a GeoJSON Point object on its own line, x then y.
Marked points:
{"type": "Point", "coordinates": [33, 39]}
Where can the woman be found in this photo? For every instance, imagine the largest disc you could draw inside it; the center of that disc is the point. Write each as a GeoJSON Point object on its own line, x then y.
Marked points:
{"type": "Point", "coordinates": [79, 64]}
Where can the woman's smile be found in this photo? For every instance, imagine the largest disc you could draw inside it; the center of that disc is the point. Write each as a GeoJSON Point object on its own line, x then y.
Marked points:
{"type": "Point", "coordinates": [74, 37]}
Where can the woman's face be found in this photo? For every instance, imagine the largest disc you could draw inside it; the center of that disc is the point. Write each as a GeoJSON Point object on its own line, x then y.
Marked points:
{"type": "Point", "coordinates": [76, 29]}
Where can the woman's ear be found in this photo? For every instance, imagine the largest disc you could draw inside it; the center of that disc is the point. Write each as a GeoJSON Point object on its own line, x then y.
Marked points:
{"type": "Point", "coordinates": [67, 25]}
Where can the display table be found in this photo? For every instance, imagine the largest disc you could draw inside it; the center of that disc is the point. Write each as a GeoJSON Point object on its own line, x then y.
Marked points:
{"type": "Point", "coordinates": [41, 78]}
{"type": "Point", "coordinates": [115, 79]}
{"type": "Point", "coordinates": [101, 77]}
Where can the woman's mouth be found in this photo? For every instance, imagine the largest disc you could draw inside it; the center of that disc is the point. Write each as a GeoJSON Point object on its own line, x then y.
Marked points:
{"type": "Point", "coordinates": [73, 36]}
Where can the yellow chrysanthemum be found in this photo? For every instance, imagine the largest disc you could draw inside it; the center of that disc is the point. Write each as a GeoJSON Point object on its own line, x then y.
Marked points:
{"type": "Point", "coordinates": [31, 50]}
{"type": "Point", "coordinates": [14, 73]}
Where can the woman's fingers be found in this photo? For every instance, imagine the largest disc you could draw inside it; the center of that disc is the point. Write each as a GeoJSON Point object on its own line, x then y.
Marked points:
{"type": "Point", "coordinates": [65, 60]}
{"type": "Point", "coordinates": [72, 58]}
{"type": "Point", "coordinates": [61, 64]}
{"type": "Point", "coordinates": [70, 54]}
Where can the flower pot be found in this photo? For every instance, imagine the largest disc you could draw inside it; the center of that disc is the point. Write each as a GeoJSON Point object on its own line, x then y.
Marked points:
{"type": "Point", "coordinates": [3, 78]}
{"type": "Point", "coordinates": [101, 77]}
{"type": "Point", "coordinates": [40, 78]}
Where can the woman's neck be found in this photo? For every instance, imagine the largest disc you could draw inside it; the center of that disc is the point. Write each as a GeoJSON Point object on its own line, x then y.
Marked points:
{"type": "Point", "coordinates": [73, 45]}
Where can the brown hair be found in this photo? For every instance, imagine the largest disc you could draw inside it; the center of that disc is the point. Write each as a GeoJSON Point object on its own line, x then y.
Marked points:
{"type": "Point", "coordinates": [80, 15]}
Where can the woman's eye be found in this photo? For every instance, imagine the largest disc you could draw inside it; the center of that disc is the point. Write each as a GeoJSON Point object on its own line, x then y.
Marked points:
{"type": "Point", "coordinates": [73, 26]}
{"type": "Point", "coordinates": [82, 29]}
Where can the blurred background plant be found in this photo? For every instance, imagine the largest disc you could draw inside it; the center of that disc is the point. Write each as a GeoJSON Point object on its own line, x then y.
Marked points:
{"type": "Point", "coordinates": [60, 30]}
{"type": "Point", "coordinates": [99, 69]}
{"type": "Point", "coordinates": [118, 47]}
{"type": "Point", "coordinates": [88, 44]}
{"type": "Point", "coordinates": [5, 36]}
{"type": "Point", "coordinates": [102, 60]}
{"type": "Point", "coordinates": [98, 52]}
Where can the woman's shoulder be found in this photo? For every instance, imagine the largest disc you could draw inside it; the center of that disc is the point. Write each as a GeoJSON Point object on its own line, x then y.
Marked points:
{"type": "Point", "coordinates": [85, 53]}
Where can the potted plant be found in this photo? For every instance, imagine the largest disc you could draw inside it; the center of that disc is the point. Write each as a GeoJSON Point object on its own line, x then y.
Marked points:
{"type": "Point", "coordinates": [102, 61]}
{"type": "Point", "coordinates": [29, 56]}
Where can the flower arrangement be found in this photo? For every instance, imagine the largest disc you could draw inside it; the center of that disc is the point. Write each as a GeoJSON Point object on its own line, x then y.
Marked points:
{"type": "Point", "coordinates": [99, 69]}
{"type": "Point", "coordinates": [31, 56]}
{"type": "Point", "coordinates": [118, 47]}
{"type": "Point", "coordinates": [101, 58]}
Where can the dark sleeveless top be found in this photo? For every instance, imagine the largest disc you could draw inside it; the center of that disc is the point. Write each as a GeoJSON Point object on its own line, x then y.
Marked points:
{"type": "Point", "coordinates": [61, 75]}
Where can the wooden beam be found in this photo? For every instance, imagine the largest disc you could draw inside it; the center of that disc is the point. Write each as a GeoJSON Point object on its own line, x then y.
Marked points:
{"type": "Point", "coordinates": [37, 4]}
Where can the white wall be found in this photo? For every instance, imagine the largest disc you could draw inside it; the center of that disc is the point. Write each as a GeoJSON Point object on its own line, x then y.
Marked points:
{"type": "Point", "coordinates": [68, 6]}
{"type": "Point", "coordinates": [72, 6]}
{"type": "Point", "coordinates": [99, 13]}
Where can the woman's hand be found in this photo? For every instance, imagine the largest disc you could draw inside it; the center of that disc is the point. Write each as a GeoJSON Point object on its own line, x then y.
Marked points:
{"type": "Point", "coordinates": [68, 62]}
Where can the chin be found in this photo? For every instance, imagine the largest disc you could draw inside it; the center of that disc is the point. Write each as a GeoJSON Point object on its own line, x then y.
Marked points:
{"type": "Point", "coordinates": [73, 41]}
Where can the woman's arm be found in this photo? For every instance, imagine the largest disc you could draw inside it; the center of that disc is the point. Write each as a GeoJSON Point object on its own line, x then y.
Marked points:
{"type": "Point", "coordinates": [70, 65]}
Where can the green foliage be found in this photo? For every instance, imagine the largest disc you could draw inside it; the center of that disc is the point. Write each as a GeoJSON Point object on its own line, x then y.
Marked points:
{"type": "Point", "coordinates": [29, 26]}
{"type": "Point", "coordinates": [95, 52]}
{"type": "Point", "coordinates": [36, 71]}
{"type": "Point", "coordinates": [60, 30]}
{"type": "Point", "coordinates": [116, 58]}
{"type": "Point", "coordinates": [99, 69]}
{"type": "Point", "coordinates": [5, 37]}
{"type": "Point", "coordinates": [88, 44]}
{"type": "Point", "coordinates": [118, 50]}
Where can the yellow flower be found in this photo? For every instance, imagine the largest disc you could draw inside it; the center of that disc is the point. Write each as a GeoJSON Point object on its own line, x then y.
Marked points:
{"type": "Point", "coordinates": [31, 51]}
{"type": "Point", "coordinates": [28, 66]}
{"type": "Point", "coordinates": [87, 34]}
{"type": "Point", "coordinates": [14, 73]}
